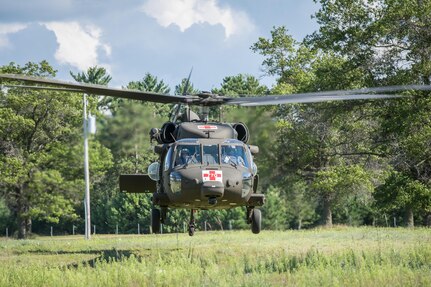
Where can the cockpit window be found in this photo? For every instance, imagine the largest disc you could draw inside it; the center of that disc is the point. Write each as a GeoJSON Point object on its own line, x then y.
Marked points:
{"type": "Point", "coordinates": [168, 159]}
{"type": "Point", "coordinates": [187, 155]}
{"type": "Point", "coordinates": [234, 154]}
{"type": "Point", "coordinates": [210, 154]}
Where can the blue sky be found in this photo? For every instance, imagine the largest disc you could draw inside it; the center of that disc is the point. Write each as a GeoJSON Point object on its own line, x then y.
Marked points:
{"type": "Point", "coordinates": [163, 37]}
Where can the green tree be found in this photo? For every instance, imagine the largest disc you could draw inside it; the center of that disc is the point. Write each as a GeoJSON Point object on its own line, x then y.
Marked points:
{"type": "Point", "coordinates": [185, 88]}
{"type": "Point", "coordinates": [94, 75]}
{"type": "Point", "coordinates": [284, 57]}
{"type": "Point", "coordinates": [401, 193]}
{"type": "Point", "coordinates": [241, 85]}
{"type": "Point", "coordinates": [125, 131]}
{"type": "Point", "coordinates": [34, 127]}
{"type": "Point", "coordinates": [149, 83]}
{"type": "Point", "coordinates": [387, 40]}
{"type": "Point", "coordinates": [337, 183]}
{"type": "Point", "coordinates": [314, 138]}
{"type": "Point", "coordinates": [274, 210]}
{"type": "Point", "coordinates": [5, 215]}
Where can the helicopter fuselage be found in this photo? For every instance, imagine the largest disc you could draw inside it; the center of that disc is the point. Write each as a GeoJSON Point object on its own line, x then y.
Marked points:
{"type": "Point", "coordinates": [201, 166]}
{"type": "Point", "coordinates": [208, 174]}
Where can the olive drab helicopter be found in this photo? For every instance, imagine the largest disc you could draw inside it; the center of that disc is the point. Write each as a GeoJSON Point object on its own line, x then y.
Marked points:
{"type": "Point", "coordinates": [202, 164]}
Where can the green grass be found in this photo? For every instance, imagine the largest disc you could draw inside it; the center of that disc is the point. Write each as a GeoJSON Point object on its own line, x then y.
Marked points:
{"type": "Point", "coordinates": [320, 257]}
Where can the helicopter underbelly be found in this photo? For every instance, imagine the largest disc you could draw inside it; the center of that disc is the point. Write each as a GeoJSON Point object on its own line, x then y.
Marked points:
{"type": "Point", "coordinates": [208, 188]}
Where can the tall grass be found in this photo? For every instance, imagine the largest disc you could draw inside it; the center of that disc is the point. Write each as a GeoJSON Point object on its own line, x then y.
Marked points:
{"type": "Point", "coordinates": [327, 257]}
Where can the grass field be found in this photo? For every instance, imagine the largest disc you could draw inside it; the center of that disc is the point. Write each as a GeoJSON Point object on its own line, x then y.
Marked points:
{"type": "Point", "coordinates": [321, 257]}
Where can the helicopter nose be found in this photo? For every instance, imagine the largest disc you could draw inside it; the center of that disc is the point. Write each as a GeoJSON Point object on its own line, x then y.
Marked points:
{"type": "Point", "coordinates": [212, 190]}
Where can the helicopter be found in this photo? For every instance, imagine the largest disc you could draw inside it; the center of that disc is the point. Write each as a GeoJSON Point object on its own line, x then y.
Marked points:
{"type": "Point", "coordinates": [203, 164]}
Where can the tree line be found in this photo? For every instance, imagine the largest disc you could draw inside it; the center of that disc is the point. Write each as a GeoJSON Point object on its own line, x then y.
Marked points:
{"type": "Point", "coordinates": [354, 162]}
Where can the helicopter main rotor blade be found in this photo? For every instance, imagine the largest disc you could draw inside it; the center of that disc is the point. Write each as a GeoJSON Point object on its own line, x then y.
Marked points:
{"type": "Point", "coordinates": [315, 97]}
{"type": "Point", "coordinates": [209, 99]}
{"type": "Point", "coordinates": [95, 89]}
{"type": "Point", "coordinates": [303, 99]}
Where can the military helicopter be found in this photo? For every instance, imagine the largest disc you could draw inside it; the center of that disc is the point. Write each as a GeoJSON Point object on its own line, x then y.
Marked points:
{"type": "Point", "coordinates": [202, 164]}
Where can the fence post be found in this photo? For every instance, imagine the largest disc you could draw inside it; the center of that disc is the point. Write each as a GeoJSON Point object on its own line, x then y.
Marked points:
{"type": "Point", "coordinates": [51, 231]}
{"type": "Point", "coordinates": [94, 229]}
{"type": "Point", "coordinates": [116, 229]}
{"type": "Point", "coordinates": [7, 232]}
{"type": "Point", "coordinates": [139, 229]}
{"type": "Point", "coordinates": [73, 229]}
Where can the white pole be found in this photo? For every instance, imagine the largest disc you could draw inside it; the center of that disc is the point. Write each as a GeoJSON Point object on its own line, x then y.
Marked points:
{"type": "Point", "coordinates": [87, 175]}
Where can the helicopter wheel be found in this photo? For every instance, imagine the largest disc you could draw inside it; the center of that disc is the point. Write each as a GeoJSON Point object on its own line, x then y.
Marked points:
{"type": "Point", "coordinates": [155, 220]}
{"type": "Point", "coordinates": [192, 223]}
{"type": "Point", "coordinates": [256, 221]}
{"type": "Point", "coordinates": [191, 230]}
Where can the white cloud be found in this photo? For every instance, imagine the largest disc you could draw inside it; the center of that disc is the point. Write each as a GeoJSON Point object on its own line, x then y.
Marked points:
{"type": "Point", "coordinates": [6, 29]}
{"type": "Point", "coordinates": [185, 13]}
{"type": "Point", "coordinates": [77, 45]}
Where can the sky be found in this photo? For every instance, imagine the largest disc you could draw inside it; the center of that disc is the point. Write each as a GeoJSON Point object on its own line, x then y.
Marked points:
{"type": "Point", "coordinates": [166, 38]}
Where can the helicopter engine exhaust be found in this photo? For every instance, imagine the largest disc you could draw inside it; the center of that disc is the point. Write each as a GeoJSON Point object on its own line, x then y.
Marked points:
{"type": "Point", "coordinates": [242, 131]}
{"type": "Point", "coordinates": [168, 132]}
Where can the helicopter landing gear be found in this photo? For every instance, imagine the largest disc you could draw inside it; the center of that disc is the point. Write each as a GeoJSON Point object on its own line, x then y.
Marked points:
{"type": "Point", "coordinates": [192, 222]}
{"type": "Point", "coordinates": [254, 217]}
{"type": "Point", "coordinates": [155, 220]}
{"type": "Point", "coordinates": [163, 214]}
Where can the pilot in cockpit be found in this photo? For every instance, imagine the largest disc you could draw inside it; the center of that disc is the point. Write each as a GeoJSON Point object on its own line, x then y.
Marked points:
{"type": "Point", "coordinates": [232, 154]}
{"type": "Point", "coordinates": [184, 157]}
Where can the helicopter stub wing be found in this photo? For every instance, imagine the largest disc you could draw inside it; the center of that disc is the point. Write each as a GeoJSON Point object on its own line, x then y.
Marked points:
{"type": "Point", "coordinates": [137, 183]}
{"type": "Point", "coordinates": [52, 84]}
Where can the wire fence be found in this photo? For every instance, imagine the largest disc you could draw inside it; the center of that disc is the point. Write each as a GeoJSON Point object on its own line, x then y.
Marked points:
{"type": "Point", "coordinates": [140, 229]}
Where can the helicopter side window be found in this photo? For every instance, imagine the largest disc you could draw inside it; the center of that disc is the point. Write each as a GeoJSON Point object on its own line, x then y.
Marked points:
{"type": "Point", "coordinates": [168, 159]}
{"type": "Point", "coordinates": [234, 154]}
{"type": "Point", "coordinates": [187, 155]}
{"type": "Point", "coordinates": [252, 164]}
{"type": "Point", "coordinates": [210, 155]}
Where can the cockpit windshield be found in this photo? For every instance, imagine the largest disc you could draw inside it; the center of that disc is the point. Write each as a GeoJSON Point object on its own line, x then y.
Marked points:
{"type": "Point", "coordinates": [234, 154]}
{"type": "Point", "coordinates": [187, 155]}
{"type": "Point", "coordinates": [209, 154]}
